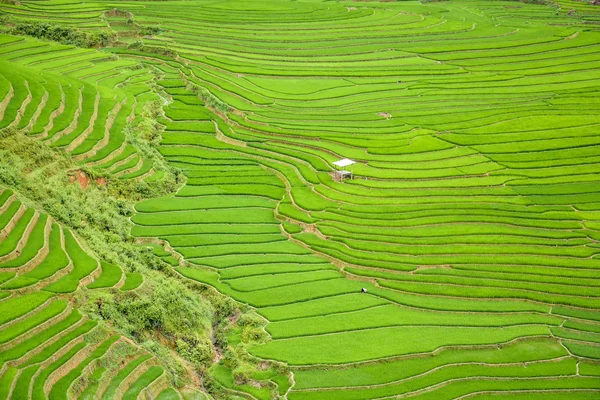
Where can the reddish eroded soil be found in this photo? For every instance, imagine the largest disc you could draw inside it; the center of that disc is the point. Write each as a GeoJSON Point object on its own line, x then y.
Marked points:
{"type": "Point", "coordinates": [84, 180]}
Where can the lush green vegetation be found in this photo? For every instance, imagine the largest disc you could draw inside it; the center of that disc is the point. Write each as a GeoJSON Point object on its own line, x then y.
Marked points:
{"type": "Point", "coordinates": [166, 175]}
{"type": "Point", "coordinates": [42, 334]}
{"type": "Point", "coordinates": [57, 33]}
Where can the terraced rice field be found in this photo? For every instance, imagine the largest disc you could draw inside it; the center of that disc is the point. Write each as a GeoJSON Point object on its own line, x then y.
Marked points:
{"type": "Point", "coordinates": [71, 99]}
{"type": "Point", "coordinates": [48, 349]}
{"type": "Point", "coordinates": [472, 221]}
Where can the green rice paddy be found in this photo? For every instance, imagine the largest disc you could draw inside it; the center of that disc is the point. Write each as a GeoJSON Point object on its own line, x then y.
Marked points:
{"type": "Point", "coordinates": [472, 220]}
{"type": "Point", "coordinates": [47, 347]}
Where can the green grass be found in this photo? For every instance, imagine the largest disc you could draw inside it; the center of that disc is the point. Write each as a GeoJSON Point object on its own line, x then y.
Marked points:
{"type": "Point", "coordinates": [9, 213]}
{"type": "Point", "coordinates": [6, 380]}
{"type": "Point", "coordinates": [4, 196]}
{"type": "Point", "coordinates": [25, 325]}
{"type": "Point", "coordinates": [21, 389]}
{"type": "Point", "coordinates": [244, 216]}
{"type": "Point", "coordinates": [63, 339]}
{"type": "Point", "coordinates": [34, 244]}
{"type": "Point", "coordinates": [60, 388]}
{"type": "Point", "coordinates": [31, 343]}
{"type": "Point", "coordinates": [94, 381]}
{"type": "Point", "coordinates": [337, 348]}
{"type": "Point", "coordinates": [122, 374]}
{"type": "Point", "coordinates": [587, 367]}
{"type": "Point", "coordinates": [142, 382]}
{"type": "Point", "coordinates": [38, 384]}
{"type": "Point", "coordinates": [111, 275]}
{"type": "Point", "coordinates": [392, 315]}
{"type": "Point", "coordinates": [584, 350]}
{"type": "Point", "coordinates": [56, 260]}
{"type": "Point", "coordinates": [470, 386]}
{"type": "Point", "coordinates": [83, 265]}
{"type": "Point", "coordinates": [394, 370]}
{"type": "Point", "coordinates": [9, 244]}
{"type": "Point", "coordinates": [17, 306]}
{"type": "Point", "coordinates": [223, 376]}
{"type": "Point", "coordinates": [472, 219]}
{"type": "Point", "coordinates": [324, 306]}
{"type": "Point", "coordinates": [168, 394]}
{"type": "Point", "coordinates": [452, 372]}
{"type": "Point", "coordinates": [132, 281]}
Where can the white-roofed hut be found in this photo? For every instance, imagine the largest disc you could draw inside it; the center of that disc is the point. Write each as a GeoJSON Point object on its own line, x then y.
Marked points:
{"type": "Point", "coordinates": [341, 172]}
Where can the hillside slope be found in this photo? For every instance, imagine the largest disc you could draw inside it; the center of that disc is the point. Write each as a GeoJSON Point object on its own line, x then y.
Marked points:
{"type": "Point", "coordinates": [472, 221]}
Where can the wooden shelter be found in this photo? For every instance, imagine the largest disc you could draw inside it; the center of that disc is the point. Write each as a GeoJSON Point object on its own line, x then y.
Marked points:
{"type": "Point", "coordinates": [340, 169]}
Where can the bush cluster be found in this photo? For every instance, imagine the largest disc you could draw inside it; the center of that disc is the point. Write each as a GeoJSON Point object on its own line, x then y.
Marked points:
{"type": "Point", "coordinates": [147, 30]}
{"type": "Point", "coordinates": [162, 51]}
{"type": "Point", "coordinates": [163, 307]}
{"type": "Point", "coordinates": [148, 128]}
{"type": "Point", "coordinates": [209, 99]}
{"type": "Point", "coordinates": [165, 314]}
{"type": "Point", "coordinates": [62, 34]}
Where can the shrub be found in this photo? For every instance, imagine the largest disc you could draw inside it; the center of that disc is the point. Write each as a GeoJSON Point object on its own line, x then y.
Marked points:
{"type": "Point", "coordinates": [62, 34]}
{"type": "Point", "coordinates": [254, 335]}
{"type": "Point", "coordinates": [146, 30]}
{"type": "Point", "coordinates": [197, 351]}
{"type": "Point", "coordinates": [209, 99]}
{"type": "Point", "coordinates": [251, 320]}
